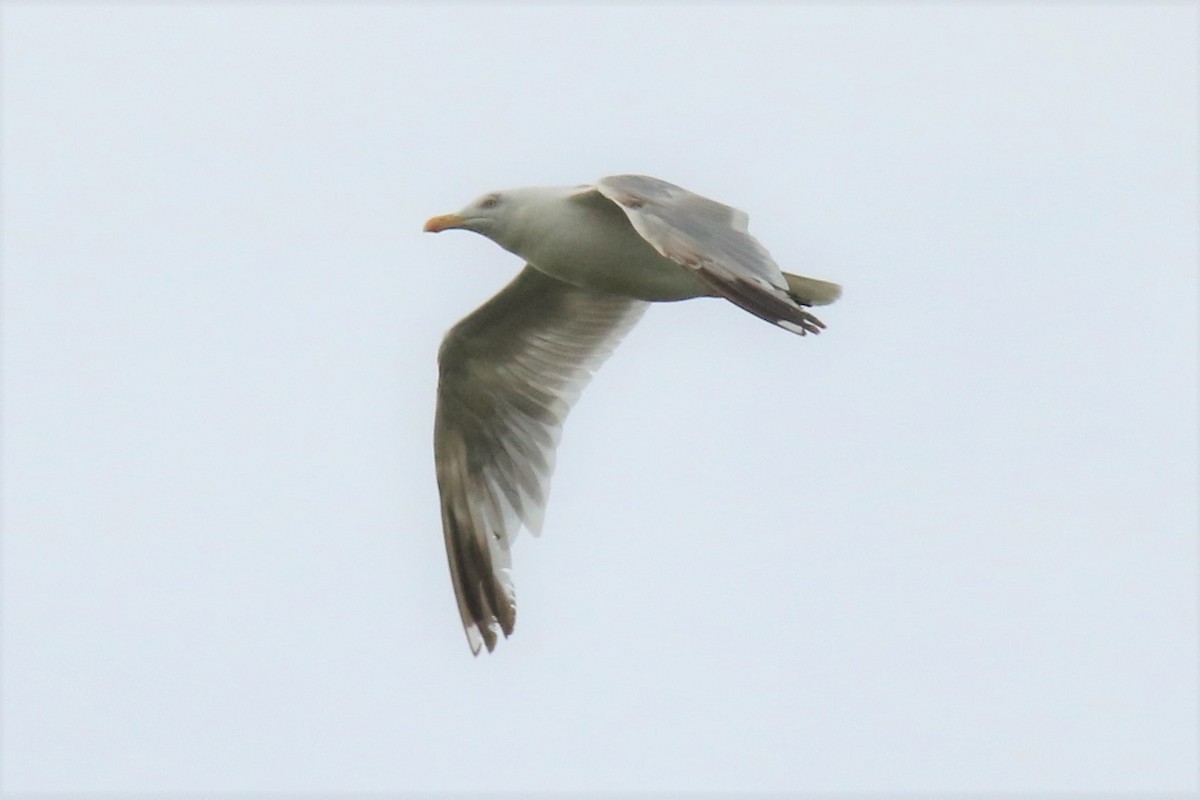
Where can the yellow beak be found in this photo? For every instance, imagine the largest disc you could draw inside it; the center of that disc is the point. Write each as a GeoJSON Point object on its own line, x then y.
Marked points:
{"type": "Point", "coordinates": [443, 222]}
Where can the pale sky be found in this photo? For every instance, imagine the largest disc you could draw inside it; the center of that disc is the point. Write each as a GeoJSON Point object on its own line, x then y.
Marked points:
{"type": "Point", "coordinates": [948, 545]}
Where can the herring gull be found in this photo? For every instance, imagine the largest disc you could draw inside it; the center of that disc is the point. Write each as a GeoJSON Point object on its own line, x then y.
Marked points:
{"type": "Point", "coordinates": [595, 255]}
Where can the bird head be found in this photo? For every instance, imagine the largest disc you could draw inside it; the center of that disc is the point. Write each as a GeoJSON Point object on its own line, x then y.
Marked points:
{"type": "Point", "coordinates": [485, 216]}
{"type": "Point", "coordinates": [513, 218]}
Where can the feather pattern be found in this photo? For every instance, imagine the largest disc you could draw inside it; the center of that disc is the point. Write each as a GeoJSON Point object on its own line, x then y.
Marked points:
{"type": "Point", "coordinates": [711, 239]}
{"type": "Point", "coordinates": [509, 374]}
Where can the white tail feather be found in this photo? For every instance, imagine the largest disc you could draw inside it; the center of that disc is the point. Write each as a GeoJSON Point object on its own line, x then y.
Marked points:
{"type": "Point", "coordinates": [810, 291]}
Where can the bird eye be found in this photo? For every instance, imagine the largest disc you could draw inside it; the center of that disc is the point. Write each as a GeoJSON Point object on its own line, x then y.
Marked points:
{"type": "Point", "coordinates": [491, 201]}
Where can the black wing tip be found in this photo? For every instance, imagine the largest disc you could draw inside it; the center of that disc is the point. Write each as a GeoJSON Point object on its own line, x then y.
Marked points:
{"type": "Point", "coordinates": [489, 612]}
{"type": "Point", "coordinates": [484, 600]}
{"type": "Point", "coordinates": [778, 309]}
{"type": "Point", "coordinates": [802, 324]}
{"type": "Point", "coordinates": [482, 633]}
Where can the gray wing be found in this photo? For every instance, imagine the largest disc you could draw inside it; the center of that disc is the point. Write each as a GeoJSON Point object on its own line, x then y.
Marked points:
{"type": "Point", "coordinates": [711, 239]}
{"type": "Point", "coordinates": [509, 373]}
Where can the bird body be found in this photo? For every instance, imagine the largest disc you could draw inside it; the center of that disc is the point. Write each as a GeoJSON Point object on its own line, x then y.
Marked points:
{"type": "Point", "coordinates": [510, 371]}
{"type": "Point", "coordinates": [576, 235]}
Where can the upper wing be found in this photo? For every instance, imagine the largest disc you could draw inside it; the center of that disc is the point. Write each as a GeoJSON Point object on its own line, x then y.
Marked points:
{"type": "Point", "coordinates": [711, 239]}
{"type": "Point", "coordinates": [509, 373]}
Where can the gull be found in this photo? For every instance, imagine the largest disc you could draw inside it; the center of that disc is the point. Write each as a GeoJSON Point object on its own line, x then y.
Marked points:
{"type": "Point", "coordinates": [596, 255]}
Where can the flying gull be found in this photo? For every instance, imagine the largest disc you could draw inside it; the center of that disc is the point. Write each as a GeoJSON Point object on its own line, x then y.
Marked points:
{"type": "Point", "coordinates": [595, 256]}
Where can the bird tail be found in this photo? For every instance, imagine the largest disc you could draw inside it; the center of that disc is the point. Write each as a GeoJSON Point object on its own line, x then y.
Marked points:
{"type": "Point", "coordinates": [810, 291]}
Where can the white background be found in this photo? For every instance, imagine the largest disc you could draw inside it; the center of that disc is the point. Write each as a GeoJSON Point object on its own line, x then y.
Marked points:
{"type": "Point", "coordinates": [948, 545]}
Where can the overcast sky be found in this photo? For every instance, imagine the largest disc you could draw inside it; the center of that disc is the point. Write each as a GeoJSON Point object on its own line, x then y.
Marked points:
{"type": "Point", "coordinates": [948, 545]}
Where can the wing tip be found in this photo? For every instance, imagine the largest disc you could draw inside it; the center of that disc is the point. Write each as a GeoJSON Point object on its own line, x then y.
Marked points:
{"type": "Point", "coordinates": [803, 329]}
{"type": "Point", "coordinates": [483, 633]}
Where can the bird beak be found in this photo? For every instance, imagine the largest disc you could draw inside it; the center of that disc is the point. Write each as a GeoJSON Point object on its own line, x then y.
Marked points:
{"type": "Point", "coordinates": [443, 222]}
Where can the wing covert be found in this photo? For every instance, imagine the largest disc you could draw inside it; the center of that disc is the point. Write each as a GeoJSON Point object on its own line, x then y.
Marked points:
{"type": "Point", "coordinates": [713, 240]}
